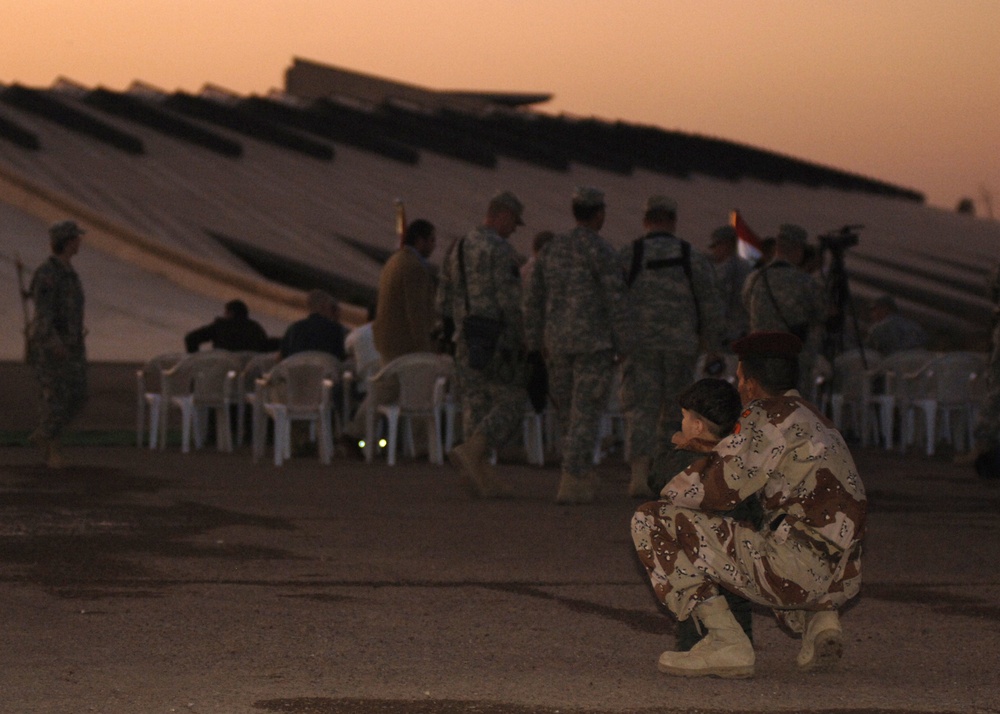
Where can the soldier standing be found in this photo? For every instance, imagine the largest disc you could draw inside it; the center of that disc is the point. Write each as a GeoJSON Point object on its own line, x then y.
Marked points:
{"type": "Point", "coordinates": [673, 307]}
{"type": "Point", "coordinates": [804, 561]}
{"type": "Point", "coordinates": [731, 272]}
{"type": "Point", "coordinates": [572, 309]}
{"type": "Point", "coordinates": [55, 340]}
{"type": "Point", "coordinates": [481, 279]}
{"type": "Point", "coordinates": [781, 296]}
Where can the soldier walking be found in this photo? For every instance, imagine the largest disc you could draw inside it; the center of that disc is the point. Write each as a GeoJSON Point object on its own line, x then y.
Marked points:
{"type": "Point", "coordinates": [674, 309]}
{"type": "Point", "coordinates": [573, 310]}
{"type": "Point", "coordinates": [481, 280]}
{"type": "Point", "coordinates": [55, 340]}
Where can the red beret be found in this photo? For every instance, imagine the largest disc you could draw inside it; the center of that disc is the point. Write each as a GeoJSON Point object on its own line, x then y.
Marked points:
{"type": "Point", "coordinates": [768, 344]}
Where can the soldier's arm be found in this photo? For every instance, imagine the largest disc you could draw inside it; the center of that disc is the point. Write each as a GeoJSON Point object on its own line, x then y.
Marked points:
{"type": "Point", "coordinates": [46, 297]}
{"type": "Point", "coordinates": [709, 301]}
{"type": "Point", "coordinates": [534, 308]}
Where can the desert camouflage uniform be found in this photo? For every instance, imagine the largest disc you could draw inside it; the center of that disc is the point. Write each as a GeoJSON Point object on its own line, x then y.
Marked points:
{"type": "Point", "coordinates": [797, 306]}
{"type": "Point", "coordinates": [987, 430]}
{"type": "Point", "coordinates": [494, 398]}
{"type": "Point", "coordinates": [573, 307]}
{"type": "Point", "coordinates": [665, 326]}
{"type": "Point", "coordinates": [58, 322]}
{"type": "Point", "coordinates": [806, 556]}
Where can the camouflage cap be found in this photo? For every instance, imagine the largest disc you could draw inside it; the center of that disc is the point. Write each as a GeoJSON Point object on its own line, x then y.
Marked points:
{"type": "Point", "coordinates": [723, 234]}
{"type": "Point", "coordinates": [65, 230]}
{"type": "Point", "coordinates": [791, 233]}
{"type": "Point", "coordinates": [510, 202]}
{"type": "Point", "coordinates": [588, 196]}
{"type": "Point", "coordinates": [661, 203]}
{"type": "Point", "coordinates": [783, 345]}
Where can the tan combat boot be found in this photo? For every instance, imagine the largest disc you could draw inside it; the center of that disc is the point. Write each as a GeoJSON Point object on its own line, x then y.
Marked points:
{"type": "Point", "coordinates": [724, 652]}
{"type": "Point", "coordinates": [472, 459]}
{"type": "Point", "coordinates": [822, 641]}
{"type": "Point", "coordinates": [638, 486]}
{"type": "Point", "coordinates": [576, 489]}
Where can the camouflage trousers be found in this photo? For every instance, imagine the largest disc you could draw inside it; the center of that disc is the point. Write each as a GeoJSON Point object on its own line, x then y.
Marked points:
{"type": "Point", "coordinates": [987, 430]}
{"type": "Point", "coordinates": [494, 399]}
{"type": "Point", "coordinates": [651, 381]}
{"type": "Point", "coordinates": [690, 554]}
{"type": "Point", "coordinates": [64, 393]}
{"type": "Point", "coordinates": [579, 386]}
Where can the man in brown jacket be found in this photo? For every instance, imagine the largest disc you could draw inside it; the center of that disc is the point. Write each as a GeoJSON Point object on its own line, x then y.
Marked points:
{"type": "Point", "coordinates": [404, 316]}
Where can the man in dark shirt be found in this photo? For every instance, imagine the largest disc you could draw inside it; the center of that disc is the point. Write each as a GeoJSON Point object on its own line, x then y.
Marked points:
{"type": "Point", "coordinates": [233, 331]}
{"type": "Point", "coordinates": [319, 331]}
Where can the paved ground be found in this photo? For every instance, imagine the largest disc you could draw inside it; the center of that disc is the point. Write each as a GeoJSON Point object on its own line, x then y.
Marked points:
{"type": "Point", "coordinates": [158, 582]}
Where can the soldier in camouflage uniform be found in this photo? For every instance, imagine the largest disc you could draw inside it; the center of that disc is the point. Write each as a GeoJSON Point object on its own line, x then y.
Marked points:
{"type": "Point", "coordinates": [731, 271]}
{"type": "Point", "coordinates": [674, 308]}
{"type": "Point", "coordinates": [804, 562]}
{"type": "Point", "coordinates": [55, 340]}
{"type": "Point", "coordinates": [481, 277]}
{"type": "Point", "coordinates": [572, 308]}
{"type": "Point", "coordinates": [892, 332]}
{"type": "Point", "coordinates": [782, 296]}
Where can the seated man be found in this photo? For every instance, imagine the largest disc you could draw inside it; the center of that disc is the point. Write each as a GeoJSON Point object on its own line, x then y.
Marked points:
{"type": "Point", "coordinates": [233, 331]}
{"type": "Point", "coordinates": [320, 331]}
{"type": "Point", "coordinates": [891, 331]}
{"type": "Point", "coordinates": [804, 562]}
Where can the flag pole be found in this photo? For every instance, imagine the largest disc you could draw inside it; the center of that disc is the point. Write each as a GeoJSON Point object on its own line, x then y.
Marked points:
{"type": "Point", "coordinates": [400, 221]}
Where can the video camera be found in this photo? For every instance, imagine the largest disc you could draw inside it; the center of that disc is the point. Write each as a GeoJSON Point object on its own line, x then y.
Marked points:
{"type": "Point", "coordinates": [840, 240]}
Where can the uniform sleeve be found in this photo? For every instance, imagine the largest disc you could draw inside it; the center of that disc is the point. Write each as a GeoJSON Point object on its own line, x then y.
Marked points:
{"type": "Point", "coordinates": [737, 467]}
{"type": "Point", "coordinates": [709, 301]}
{"type": "Point", "coordinates": [506, 280]}
{"type": "Point", "coordinates": [196, 338]}
{"type": "Point", "coordinates": [534, 307]}
{"type": "Point", "coordinates": [605, 265]}
{"type": "Point", "coordinates": [47, 300]}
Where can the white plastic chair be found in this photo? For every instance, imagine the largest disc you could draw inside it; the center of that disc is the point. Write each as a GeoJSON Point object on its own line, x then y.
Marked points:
{"type": "Point", "coordinates": [244, 388]}
{"type": "Point", "coordinates": [363, 361]}
{"type": "Point", "coordinates": [849, 390]}
{"type": "Point", "coordinates": [149, 393]}
{"type": "Point", "coordinates": [199, 382]}
{"type": "Point", "coordinates": [898, 392]}
{"type": "Point", "coordinates": [952, 384]}
{"type": "Point", "coordinates": [299, 388]}
{"type": "Point", "coordinates": [422, 378]}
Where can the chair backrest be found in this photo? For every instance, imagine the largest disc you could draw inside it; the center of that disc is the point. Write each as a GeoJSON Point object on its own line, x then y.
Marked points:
{"type": "Point", "coordinates": [258, 365]}
{"type": "Point", "coordinates": [202, 375]}
{"type": "Point", "coordinates": [418, 374]}
{"type": "Point", "coordinates": [150, 375]}
{"type": "Point", "coordinates": [850, 372]}
{"type": "Point", "coordinates": [298, 380]}
{"type": "Point", "coordinates": [953, 378]}
{"type": "Point", "coordinates": [360, 344]}
{"type": "Point", "coordinates": [897, 366]}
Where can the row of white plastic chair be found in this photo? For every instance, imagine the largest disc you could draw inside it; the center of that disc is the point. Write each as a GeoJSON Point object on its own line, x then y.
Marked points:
{"type": "Point", "coordinates": [914, 388]}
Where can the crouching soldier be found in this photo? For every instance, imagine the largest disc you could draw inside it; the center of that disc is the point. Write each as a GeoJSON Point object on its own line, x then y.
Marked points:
{"type": "Point", "coordinates": [804, 562]}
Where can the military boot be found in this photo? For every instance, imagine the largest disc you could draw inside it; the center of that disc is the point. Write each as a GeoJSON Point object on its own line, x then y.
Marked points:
{"type": "Point", "coordinates": [472, 459]}
{"type": "Point", "coordinates": [822, 641]}
{"type": "Point", "coordinates": [724, 652]}
{"type": "Point", "coordinates": [638, 485]}
{"type": "Point", "coordinates": [576, 489]}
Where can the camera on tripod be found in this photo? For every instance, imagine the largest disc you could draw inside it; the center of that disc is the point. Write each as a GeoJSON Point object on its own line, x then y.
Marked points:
{"type": "Point", "coordinates": [840, 240]}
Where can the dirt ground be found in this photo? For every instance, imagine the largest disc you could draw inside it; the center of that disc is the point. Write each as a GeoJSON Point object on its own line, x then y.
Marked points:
{"type": "Point", "coordinates": [138, 581]}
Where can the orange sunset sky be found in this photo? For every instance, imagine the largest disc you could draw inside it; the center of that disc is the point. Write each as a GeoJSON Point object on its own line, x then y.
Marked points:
{"type": "Point", "coordinates": [904, 91]}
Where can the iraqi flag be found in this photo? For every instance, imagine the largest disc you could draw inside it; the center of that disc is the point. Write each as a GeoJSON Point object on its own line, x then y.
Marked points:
{"type": "Point", "coordinates": [749, 245]}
